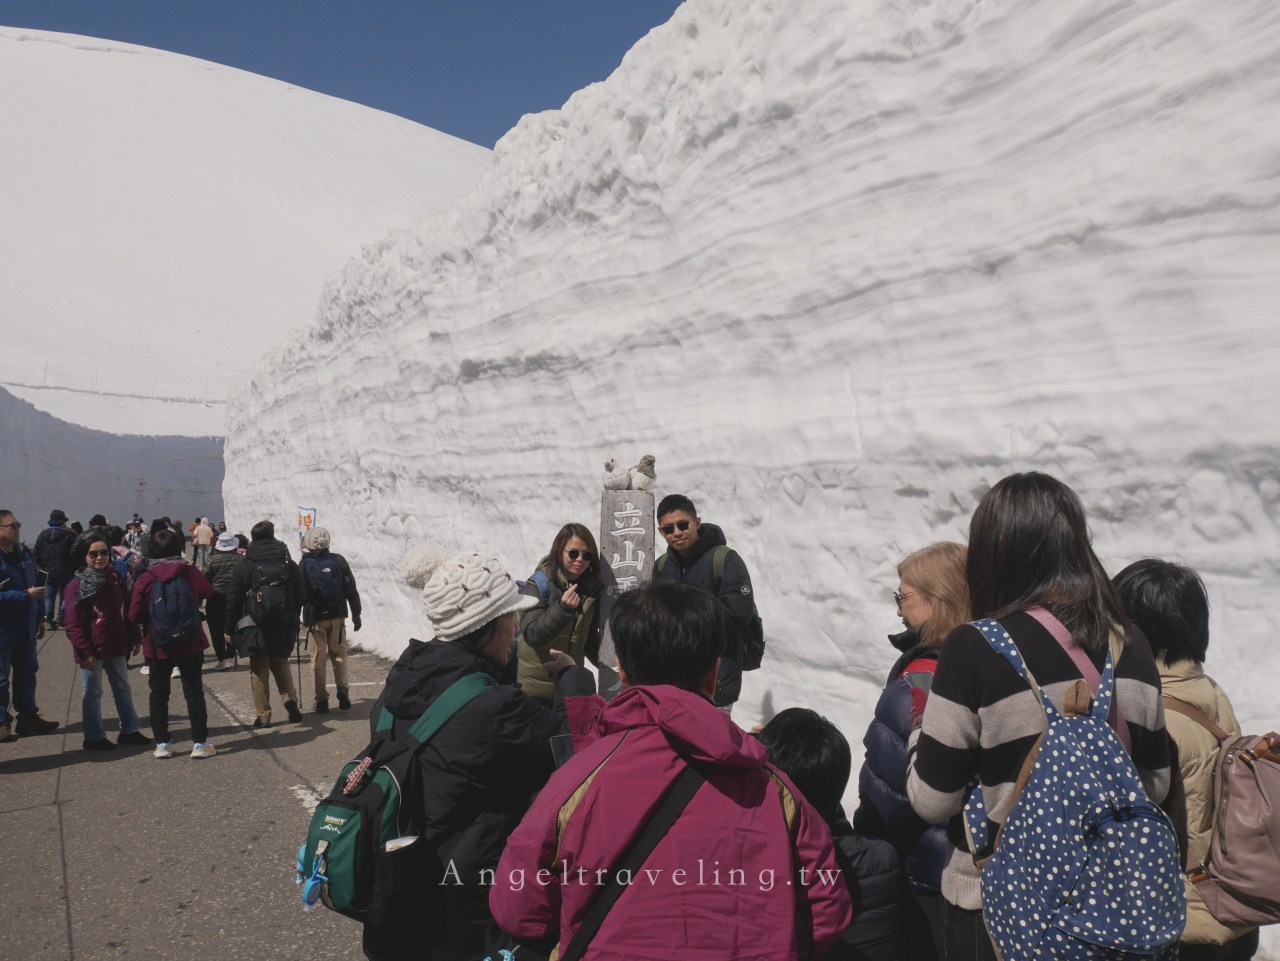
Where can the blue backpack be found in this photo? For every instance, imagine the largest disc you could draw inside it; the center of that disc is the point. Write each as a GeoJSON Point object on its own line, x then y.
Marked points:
{"type": "Point", "coordinates": [174, 613]}
{"type": "Point", "coordinates": [324, 580]}
{"type": "Point", "coordinates": [1085, 866]}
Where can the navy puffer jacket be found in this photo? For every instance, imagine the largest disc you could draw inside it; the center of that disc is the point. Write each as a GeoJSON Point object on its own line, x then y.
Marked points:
{"type": "Point", "coordinates": [879, 890]}
{"type": "Point", "coordinates": [883, 808]}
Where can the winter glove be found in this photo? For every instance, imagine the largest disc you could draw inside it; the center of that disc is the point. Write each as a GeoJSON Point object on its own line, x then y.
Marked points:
{"type": "Point", "coordinates": [355, 622]}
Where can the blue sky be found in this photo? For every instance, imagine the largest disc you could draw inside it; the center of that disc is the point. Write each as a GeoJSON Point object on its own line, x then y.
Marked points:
{"type": "Point", "coordinates": [470, 68]}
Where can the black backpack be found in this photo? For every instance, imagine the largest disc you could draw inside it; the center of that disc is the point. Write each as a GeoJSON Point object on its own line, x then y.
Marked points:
{"type": "Point", "coordinates": [324, 579]}
{"type": "Point", "coordinates": [267, 601]}
{"type": "Point", "coordinates": [752, 635]}
{"type": "Point", "coordinates": [174, 613]}
{"type": "Point", "coordinates": [365, 855]}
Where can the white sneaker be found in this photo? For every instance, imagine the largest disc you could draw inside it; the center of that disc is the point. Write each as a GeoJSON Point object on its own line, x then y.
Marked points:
{"type": "Point", "coordinates": [176, 673]}
{"type": "Point", "coordinates": [203, 749]}
{"type": "Point", "coordinates": [224, 665]}
{"type": "Point", "coordinates": [146, 669]}
{"type": "Point", "coordinates": [162, 750]}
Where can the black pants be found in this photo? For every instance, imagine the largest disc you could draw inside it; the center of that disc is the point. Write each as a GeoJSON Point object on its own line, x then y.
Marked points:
{"type": "Point", "coordinates": [1241, 949]}
{"type": "Point", "coordinates": [189, 667]}
{"type": "Point", "coordinates": [215, 612]}
{"type": "Point", "coordinates": [966, 936]}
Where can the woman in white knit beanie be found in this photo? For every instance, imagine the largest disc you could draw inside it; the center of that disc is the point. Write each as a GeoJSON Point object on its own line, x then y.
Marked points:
{"type": "Point", "coordinates": [482, 767]}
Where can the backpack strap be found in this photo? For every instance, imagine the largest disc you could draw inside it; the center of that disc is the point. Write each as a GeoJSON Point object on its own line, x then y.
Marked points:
{"type": "Point", "coordinates": [659, 564]}
{"type": "Point", "coordinates": [1085, 666]}
{"type": "Point", "coordinates": [460, 693]}
{"type": "Point", "coordinates": [718, 556]}
{"type": "Point", "coordinates": [676, 800]}
{"type": "Point", "coordinates": [1171, 703]}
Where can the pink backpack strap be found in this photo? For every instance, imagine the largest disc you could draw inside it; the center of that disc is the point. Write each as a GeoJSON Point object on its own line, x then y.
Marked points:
{"type": "Point", "coordinates": [1085, 666]}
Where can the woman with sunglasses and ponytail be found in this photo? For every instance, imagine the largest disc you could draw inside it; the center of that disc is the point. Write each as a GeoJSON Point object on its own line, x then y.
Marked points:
{"type": "Point", "coordinates": [568, 587]}
{"type": "Point", "coordinates": [102, 637]}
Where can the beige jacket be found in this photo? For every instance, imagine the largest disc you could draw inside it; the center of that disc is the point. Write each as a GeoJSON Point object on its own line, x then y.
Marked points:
{"type": "Point", "coordinates": [1197, 754]}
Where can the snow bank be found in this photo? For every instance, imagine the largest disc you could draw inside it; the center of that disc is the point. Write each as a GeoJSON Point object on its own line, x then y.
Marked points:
{"type": "Point", "coordinates": [840, 266]}
{"type": "Point", "coordinates": [168, 220]}
{"type": "Point", "coordinates": [49, 463]}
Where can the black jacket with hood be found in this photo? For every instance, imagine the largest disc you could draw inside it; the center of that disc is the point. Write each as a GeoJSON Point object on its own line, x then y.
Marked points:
{"type": "Point", "coordinates": [734, 592]}
{"type": "Point", "coordinates": [52, 551]}
{"type": "Point", "coordinates": [480, 772]}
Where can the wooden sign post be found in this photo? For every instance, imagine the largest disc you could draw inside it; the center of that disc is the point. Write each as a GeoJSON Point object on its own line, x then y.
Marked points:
{"type": "Point", "coordinates": [627, 535]}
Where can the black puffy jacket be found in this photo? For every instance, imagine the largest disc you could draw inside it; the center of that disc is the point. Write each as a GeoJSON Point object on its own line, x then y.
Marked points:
{"type": "Point", "coordinates": [883, 809]}
{"type": "Point", "coordinates": [480, 771]}
{"type": "Point", "coordinates": [878, 888]}
{"type": "Point", "coordinates": [52, 552]}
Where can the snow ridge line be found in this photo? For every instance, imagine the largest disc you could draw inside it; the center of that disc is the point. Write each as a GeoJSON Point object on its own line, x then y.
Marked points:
{"type": "Point", "coordinates": [204, 402]}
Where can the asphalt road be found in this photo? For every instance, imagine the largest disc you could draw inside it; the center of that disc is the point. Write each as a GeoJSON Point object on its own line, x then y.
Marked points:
{"type": "Point", "coordinates": [118, 855]}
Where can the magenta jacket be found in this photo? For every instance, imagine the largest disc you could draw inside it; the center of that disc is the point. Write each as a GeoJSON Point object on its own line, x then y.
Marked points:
{"type": "Point", "coordinates": [731, 880]}
{"type": "Point", "coordinates": [167, 570]}
{"type": "Point", "coordinates": [100, 628]}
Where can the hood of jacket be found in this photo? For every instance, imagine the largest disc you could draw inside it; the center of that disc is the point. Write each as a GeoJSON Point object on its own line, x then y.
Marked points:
{"type": "Point", "coordinates": [166, 569]}
{"type": "Point", "coordinates": [424, 671]}
{"type": "Point", "coordinates": [267, 552]}
{"type": "Point", "coordinates": [691, 723]}
{"type": "Point", "coordinates": [710, 536]}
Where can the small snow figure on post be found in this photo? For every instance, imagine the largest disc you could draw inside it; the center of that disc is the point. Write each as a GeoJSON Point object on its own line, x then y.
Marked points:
{"type": "Point", "coordinates": [627, 536]}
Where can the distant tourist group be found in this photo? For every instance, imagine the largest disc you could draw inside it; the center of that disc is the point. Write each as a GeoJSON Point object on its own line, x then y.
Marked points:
{"type": "Point", "coordinates": [120, 591]}
{"type": "Point", "coordinates": [1043, 775]}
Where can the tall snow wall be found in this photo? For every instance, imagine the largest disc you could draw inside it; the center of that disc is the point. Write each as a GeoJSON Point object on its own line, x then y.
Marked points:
{"type": "Point", "coordinates": [840, 266]}
{"type": "Point", "coordinates": [48, 463]}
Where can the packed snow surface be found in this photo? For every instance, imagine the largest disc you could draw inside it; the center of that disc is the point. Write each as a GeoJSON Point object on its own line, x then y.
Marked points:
{"type": "Point", "coordinates": [167, 220]}
{"type": "Point", "coordinates": [840, 267]}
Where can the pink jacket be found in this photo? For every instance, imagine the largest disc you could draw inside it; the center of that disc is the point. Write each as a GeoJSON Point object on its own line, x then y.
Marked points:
{"type": "Point", "coordinates": [99, 629]}
{"type": "Point", "coordinates": [140, 604]}
{"type": "Point", "coordinates": [731, 881]}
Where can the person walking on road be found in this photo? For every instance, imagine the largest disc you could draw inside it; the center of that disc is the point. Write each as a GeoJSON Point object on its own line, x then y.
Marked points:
{"type": "Point", "coordinates": [220, 569]}
{"type": "Point", "coordinates": [52, 552]}
{"type": "Point", "coordinates": [330, 589]}
{"type": "Point", "coordinates": [21, 625]}
{"type": "Point", "coordinates": [263, 607]}
{"type": "Point", "coordinates": [102, 638]}
{"type": "Point", "coordinates": [157, 594]}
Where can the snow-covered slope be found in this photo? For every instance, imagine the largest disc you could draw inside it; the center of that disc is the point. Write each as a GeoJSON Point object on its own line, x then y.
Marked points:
{"type": "Point", "coordinates": [85, 472]}
{"type": "Point", "coordinates": [840, 266]}
{"type": "Point", "coordinates": [167, 221]}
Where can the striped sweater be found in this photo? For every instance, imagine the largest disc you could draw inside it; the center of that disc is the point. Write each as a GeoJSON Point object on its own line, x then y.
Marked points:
{"type": "Point", "coordinates": [982, 719]}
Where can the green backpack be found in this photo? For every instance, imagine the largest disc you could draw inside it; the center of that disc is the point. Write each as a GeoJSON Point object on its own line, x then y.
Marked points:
{"type": "Point", "coordinates": [752, 635]}
{"type": "Point", "coordinates": [365, 856]}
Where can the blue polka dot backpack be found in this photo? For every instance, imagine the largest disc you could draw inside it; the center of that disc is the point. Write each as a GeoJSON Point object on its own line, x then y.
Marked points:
{"type": "Point", "coordinates": [1085, 866]}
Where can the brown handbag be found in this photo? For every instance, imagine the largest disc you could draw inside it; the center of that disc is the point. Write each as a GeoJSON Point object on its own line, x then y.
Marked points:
{"type": "Point", "coordinates": [1240, 878]}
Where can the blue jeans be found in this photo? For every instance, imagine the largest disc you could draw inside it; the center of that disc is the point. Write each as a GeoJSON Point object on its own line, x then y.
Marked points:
{"type": "Point", "coordinates": [18, 658]}
{"type": "Point", "coordinates": [53, 599]}
{"type": "Point", "coordinates": [91, 706]}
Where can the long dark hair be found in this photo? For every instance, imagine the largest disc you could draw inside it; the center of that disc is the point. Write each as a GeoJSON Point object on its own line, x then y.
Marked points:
{"type": "Point", "coordinates": [1029, 547]}
{"type": "Point", "coordinates": [564, 536]}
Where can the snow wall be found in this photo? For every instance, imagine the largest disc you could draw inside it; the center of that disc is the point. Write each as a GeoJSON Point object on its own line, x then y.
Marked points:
{"type": "Point", "coordinates": [840, 266]}
{"type": "Point", "coordinates": [50, 463]}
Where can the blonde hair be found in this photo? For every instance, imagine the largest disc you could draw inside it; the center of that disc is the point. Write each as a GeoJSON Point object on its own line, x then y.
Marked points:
{"type": "Point", "coordinates": [937, 571]}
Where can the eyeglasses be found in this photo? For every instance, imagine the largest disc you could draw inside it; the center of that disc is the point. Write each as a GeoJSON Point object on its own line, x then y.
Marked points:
{"type": "Point", "coordinates": [106, 553]}
{"type": "Point", "coordinates": [670, 529]}
{"type": "Point", "coordinates": [898, 597]}
{"type": "Point", "coordinates": [575, 554]}
{"type": "Point", "coordinates": [15, 525]}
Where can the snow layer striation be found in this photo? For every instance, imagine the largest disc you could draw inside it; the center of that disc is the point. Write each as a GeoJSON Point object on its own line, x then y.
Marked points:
{"type": "Point", "coordinates": [156, 205]}
{"type": "Point", "coordinates": [840, 266]}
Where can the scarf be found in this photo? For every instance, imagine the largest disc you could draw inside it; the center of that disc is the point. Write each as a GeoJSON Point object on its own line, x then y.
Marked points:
{"type": "Point", "coordinates": [91, 583]}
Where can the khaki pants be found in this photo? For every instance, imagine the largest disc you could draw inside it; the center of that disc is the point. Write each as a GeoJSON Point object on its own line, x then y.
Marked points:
{"type": "Point", "coordinates": [261, 667]}
{"type": "Point", "coordinates": [328, 640]}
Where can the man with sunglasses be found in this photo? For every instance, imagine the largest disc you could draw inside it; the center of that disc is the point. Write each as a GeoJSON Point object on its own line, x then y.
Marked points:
{"type": "Point", "coordinates": [21, 625]}
{"type": "Point", "coordinates": [692, 547]}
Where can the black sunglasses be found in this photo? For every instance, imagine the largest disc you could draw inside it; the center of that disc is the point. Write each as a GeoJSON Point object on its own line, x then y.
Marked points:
{"type": "Point", "coordinates": [670, 529]}
{"type": "Point", "coordinates": [98, 554]}
{"type": "Point", "coordinates": [575, 554]}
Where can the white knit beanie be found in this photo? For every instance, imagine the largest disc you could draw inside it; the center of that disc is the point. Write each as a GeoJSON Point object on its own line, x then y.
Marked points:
{"type": "Point", "coordinates": [316, 539]}
{"type": "Point", "coordinates": [464, 592]}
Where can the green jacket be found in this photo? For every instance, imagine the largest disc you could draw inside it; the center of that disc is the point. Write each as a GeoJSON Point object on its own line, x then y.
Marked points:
{"type": "Point", "coordinates": [219, 568]}
{"type": "Point", "coordinates": [551, 626]}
